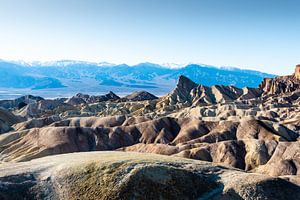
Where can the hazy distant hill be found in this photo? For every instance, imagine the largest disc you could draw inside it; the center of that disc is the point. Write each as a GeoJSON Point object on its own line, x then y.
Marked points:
{"type": "Point", "coordinates": [18, 76]}
{"type": "Point", "coordinates": [85, 76]}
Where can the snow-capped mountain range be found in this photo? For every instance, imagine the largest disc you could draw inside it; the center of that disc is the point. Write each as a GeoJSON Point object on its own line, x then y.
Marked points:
{"type": "Point", "coordinates": [80, 76]}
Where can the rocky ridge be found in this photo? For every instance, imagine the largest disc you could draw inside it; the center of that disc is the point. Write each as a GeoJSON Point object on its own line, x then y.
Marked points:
{"type": "Point", "coordinates": [87, 99]}
{"type": "Point", "coordinates": [7, 119]}
{"type": "Point", "coordinates": [282, 84]}
{"type": "Point", "coordinates": [140, 96]}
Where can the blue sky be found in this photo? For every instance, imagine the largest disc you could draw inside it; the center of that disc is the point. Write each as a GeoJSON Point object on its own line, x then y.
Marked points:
{"type": "Point", "coordinates": [253, 34]}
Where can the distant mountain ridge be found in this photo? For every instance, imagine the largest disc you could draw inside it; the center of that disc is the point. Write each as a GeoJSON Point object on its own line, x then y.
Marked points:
{"type": "Point", "coordinates": [77, 76]}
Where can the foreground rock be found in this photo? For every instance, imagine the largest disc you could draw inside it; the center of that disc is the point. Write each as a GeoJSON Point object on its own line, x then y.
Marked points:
{"type": "Point", "coordinates": [113, 175]}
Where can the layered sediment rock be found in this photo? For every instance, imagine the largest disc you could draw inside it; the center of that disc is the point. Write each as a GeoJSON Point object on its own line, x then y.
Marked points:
{"type": "Point", "coordinates": [19, 102]}
{"type": "Point", "coordinates": [297, 72]}
{"type": "Point", "coordinates": [248, 145]}
{"type": "Point", "coordinates": [282, 84]}
{"type": "Point", "coordinates": [140, 96]}
{"type": "Point", "coordinates": [87, 99]}
{"type": "Point", "coordinates": [7, 119]}
{"type": "Point", "coordinates": [115, 175]}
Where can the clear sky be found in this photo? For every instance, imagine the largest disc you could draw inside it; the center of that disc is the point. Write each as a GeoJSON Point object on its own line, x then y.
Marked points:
{"type": "Point", "coordinates": [254, 34]}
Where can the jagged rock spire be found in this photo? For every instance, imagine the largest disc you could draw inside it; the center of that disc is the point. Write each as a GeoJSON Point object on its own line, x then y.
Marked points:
{"type": "Point", "coordinates": [185, 84]}
{"type": "Point", "coordinates": [297, 72]}
{"type": "Point", "coordinates": [182, 91]}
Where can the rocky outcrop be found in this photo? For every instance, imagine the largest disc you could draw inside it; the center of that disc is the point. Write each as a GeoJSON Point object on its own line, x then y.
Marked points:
{"type": "Point", "coordinates": [87, 99]}
{"type": "Point", "coordinates": [36, 123]}
{"type": "Point", "coordinates": [75, 100]}
{"type": "Point", "coordinates": [140, 96]}
{"type": "Point", "coordinates": [116, 175]}
{"type": "Point", "coordinates": [44, 108]}
{"type": "Point", "coordinates": [189, 94]}
{"type": "Point", "coordinates": [19, 102]}
{"type": "Point", "coordinates": [181, 94]}
{"type": "Point", "coordinates": [202, 95]}
{"type": "Point", "coordinates": [285, 161]}
{"type": "Point", "coordinates": [282, 84]}
{"type": "Point", "coordinates": [297, 72]}
{"type": "Point", "coordinates": [7, 119]}
{"type": "Point", "coordinates": [182, 91]}
{"type": "Point", "coordinates": [4, 127]}
{"type": "Point", "coordinates": [250, 93]}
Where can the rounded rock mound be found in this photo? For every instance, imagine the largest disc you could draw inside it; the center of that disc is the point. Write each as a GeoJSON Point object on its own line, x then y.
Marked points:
{"type": "Point", "coordinates": [117, 175]}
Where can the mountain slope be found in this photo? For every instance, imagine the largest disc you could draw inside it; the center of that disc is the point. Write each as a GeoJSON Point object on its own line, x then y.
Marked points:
{"type": "Point", "coordinates": [17, 76]}
{"type": "Point", "coordinates": [88, 77]}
